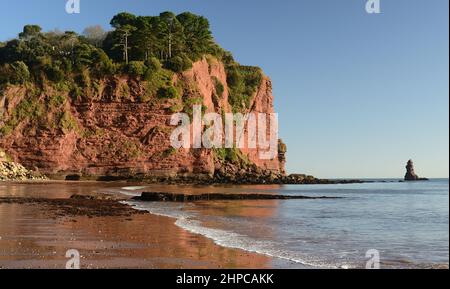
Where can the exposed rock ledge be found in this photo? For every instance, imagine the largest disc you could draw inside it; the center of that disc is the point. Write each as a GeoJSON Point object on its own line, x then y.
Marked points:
{"type": "Point", "coordinates": [267, 178]}
{"type": "Point", "coordinates": [178, 197]}
{"type": "Point", "coordinates": [77, 206]}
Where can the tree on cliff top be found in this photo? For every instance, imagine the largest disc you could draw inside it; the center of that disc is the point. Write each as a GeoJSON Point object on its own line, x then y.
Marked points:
{"type": "Point", "coordinates": [174, 40]}
{"type": "Point", "coordinates": [164, 36]}
{"type": "Point", "coordinates": [197, 35]}
{"type": "Point", "coordinates": [141, 47]}
{"type": "Point", "coordinates": [123, 19]}
{"type": "Point", "coordinates": [124, 32]}
{"type": "Point", "coordinates": [30, 31]}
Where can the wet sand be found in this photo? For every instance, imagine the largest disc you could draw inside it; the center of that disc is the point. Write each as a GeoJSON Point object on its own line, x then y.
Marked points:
{"type": "Point", "coordinates": [36, 232]}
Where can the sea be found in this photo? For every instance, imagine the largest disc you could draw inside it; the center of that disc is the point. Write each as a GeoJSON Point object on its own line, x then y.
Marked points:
{"type": "Point", "coordinates": [377, 224]}
{"type": "Point", "coordinates": [380, 224]}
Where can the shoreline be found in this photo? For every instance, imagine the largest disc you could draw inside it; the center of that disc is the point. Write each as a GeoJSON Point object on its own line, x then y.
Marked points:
{"type": "Point", "coordinates": [119, 237]}
{"type": "Point", "coordinates": [39, 222]}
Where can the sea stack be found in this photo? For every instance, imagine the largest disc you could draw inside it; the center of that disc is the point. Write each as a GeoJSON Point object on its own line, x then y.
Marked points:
{"type": "Point", "coordinates": [410, 174]}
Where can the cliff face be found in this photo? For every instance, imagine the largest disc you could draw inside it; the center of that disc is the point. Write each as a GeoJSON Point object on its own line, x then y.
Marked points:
{"type": "Point", "coordinates": [118, 127]}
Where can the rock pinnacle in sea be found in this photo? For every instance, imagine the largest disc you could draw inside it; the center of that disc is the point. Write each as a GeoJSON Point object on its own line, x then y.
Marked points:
{"type": "Point", "coordinates": [410, 174]}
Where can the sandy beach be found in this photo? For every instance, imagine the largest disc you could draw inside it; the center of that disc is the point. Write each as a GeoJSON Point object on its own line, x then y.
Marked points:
{"type": "Point", "coordinates": [41, 221]}
{"type": "Point", "coordinates": [36, 230]}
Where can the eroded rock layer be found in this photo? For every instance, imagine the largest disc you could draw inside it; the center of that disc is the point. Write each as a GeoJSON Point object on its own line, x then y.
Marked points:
{"type": "Point", "coordinates": [118, 127]}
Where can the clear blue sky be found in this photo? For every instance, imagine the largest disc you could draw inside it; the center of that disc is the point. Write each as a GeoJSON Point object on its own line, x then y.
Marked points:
{"type": "Point", "coordinates": [358, 94]}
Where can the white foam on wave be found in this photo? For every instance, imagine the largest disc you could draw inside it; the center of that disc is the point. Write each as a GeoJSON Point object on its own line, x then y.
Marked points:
{"type": "Point", "coordinates": [130, 193]}
{"type": "Point", "coordinates": [186, 220]}
{"type": "Point", "coordinates": [135, 188]}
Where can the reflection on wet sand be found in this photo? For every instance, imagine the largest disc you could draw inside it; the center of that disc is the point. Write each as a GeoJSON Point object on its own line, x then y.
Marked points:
{"type": "Point", "coordinates": [52, 189]}
{"type": "Point", "coordinates": [198, 189]}
{"type": "Point", "coordinates": [30, 239]}
{"type": "Point", "coordinates": [244, 208]}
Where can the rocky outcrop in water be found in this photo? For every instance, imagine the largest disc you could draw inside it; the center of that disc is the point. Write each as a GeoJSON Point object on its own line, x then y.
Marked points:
{"type": "Point", "coordinates": [411, 174]}
{"type": "Point", "coordinates": [242, 177]}
{"type": "Point", "coordinates": [178, 197]}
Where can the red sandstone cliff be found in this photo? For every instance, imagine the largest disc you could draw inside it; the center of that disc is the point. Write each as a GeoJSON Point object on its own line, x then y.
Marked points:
{"type": "Point", "coordinates": [113, 132]}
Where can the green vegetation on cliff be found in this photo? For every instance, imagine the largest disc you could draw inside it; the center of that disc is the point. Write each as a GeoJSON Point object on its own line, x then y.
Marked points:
{"type": "Point", "coordinates": [135, 45]}
{"type": "Point", "coordinates": [232, 156]}
{"type": "Point", "coordinates": [243, 82]}
{"type": "Point", "coordinates": [146, 48]}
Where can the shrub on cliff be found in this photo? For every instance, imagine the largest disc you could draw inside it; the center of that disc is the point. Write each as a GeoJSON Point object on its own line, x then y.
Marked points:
{"type": "Point", "coordinates": [153, 68]}
{"type": "Point", "coordinates": [102, 65]}
{"type": "Point", "coordinates": [67, 122]}
{"type": "Point", "coordinates": [168, 92]}
{"type": "Point", "coordinates": [21, 72]}
{"type": "Point", "coordinates": [15, 73]}
{"type": "Point", "coordinates": [227, 58]}
{"type": "Point", "coordinates": [28, 109]}
{"type": "Point", "coordinates": [243, 82]}
{"type": "Point", "coordinates": [179, 63]}
{"type": "Point", "coordinates": [234, 77]}
{"type": "Point", "coordinates": [153, 64]}
{"type": "Point", "coordinates": [136, 68]}
{"type": "Point", "coordinates": [189, 102]}
{"type": "Point", "coordinates": [169, 152]}
{"type": "Point", "coordinates": [231, 155]}
{"type": "Point", "coordinates": [219, 87]}
{"type": "Point", "coordinates": [54, 73]}
{"type": "Point", "coordinates": [155, 81]}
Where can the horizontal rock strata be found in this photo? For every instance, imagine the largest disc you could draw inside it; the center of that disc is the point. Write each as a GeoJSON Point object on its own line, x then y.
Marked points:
{"type": "Point", "coordinates": [177, 197]}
